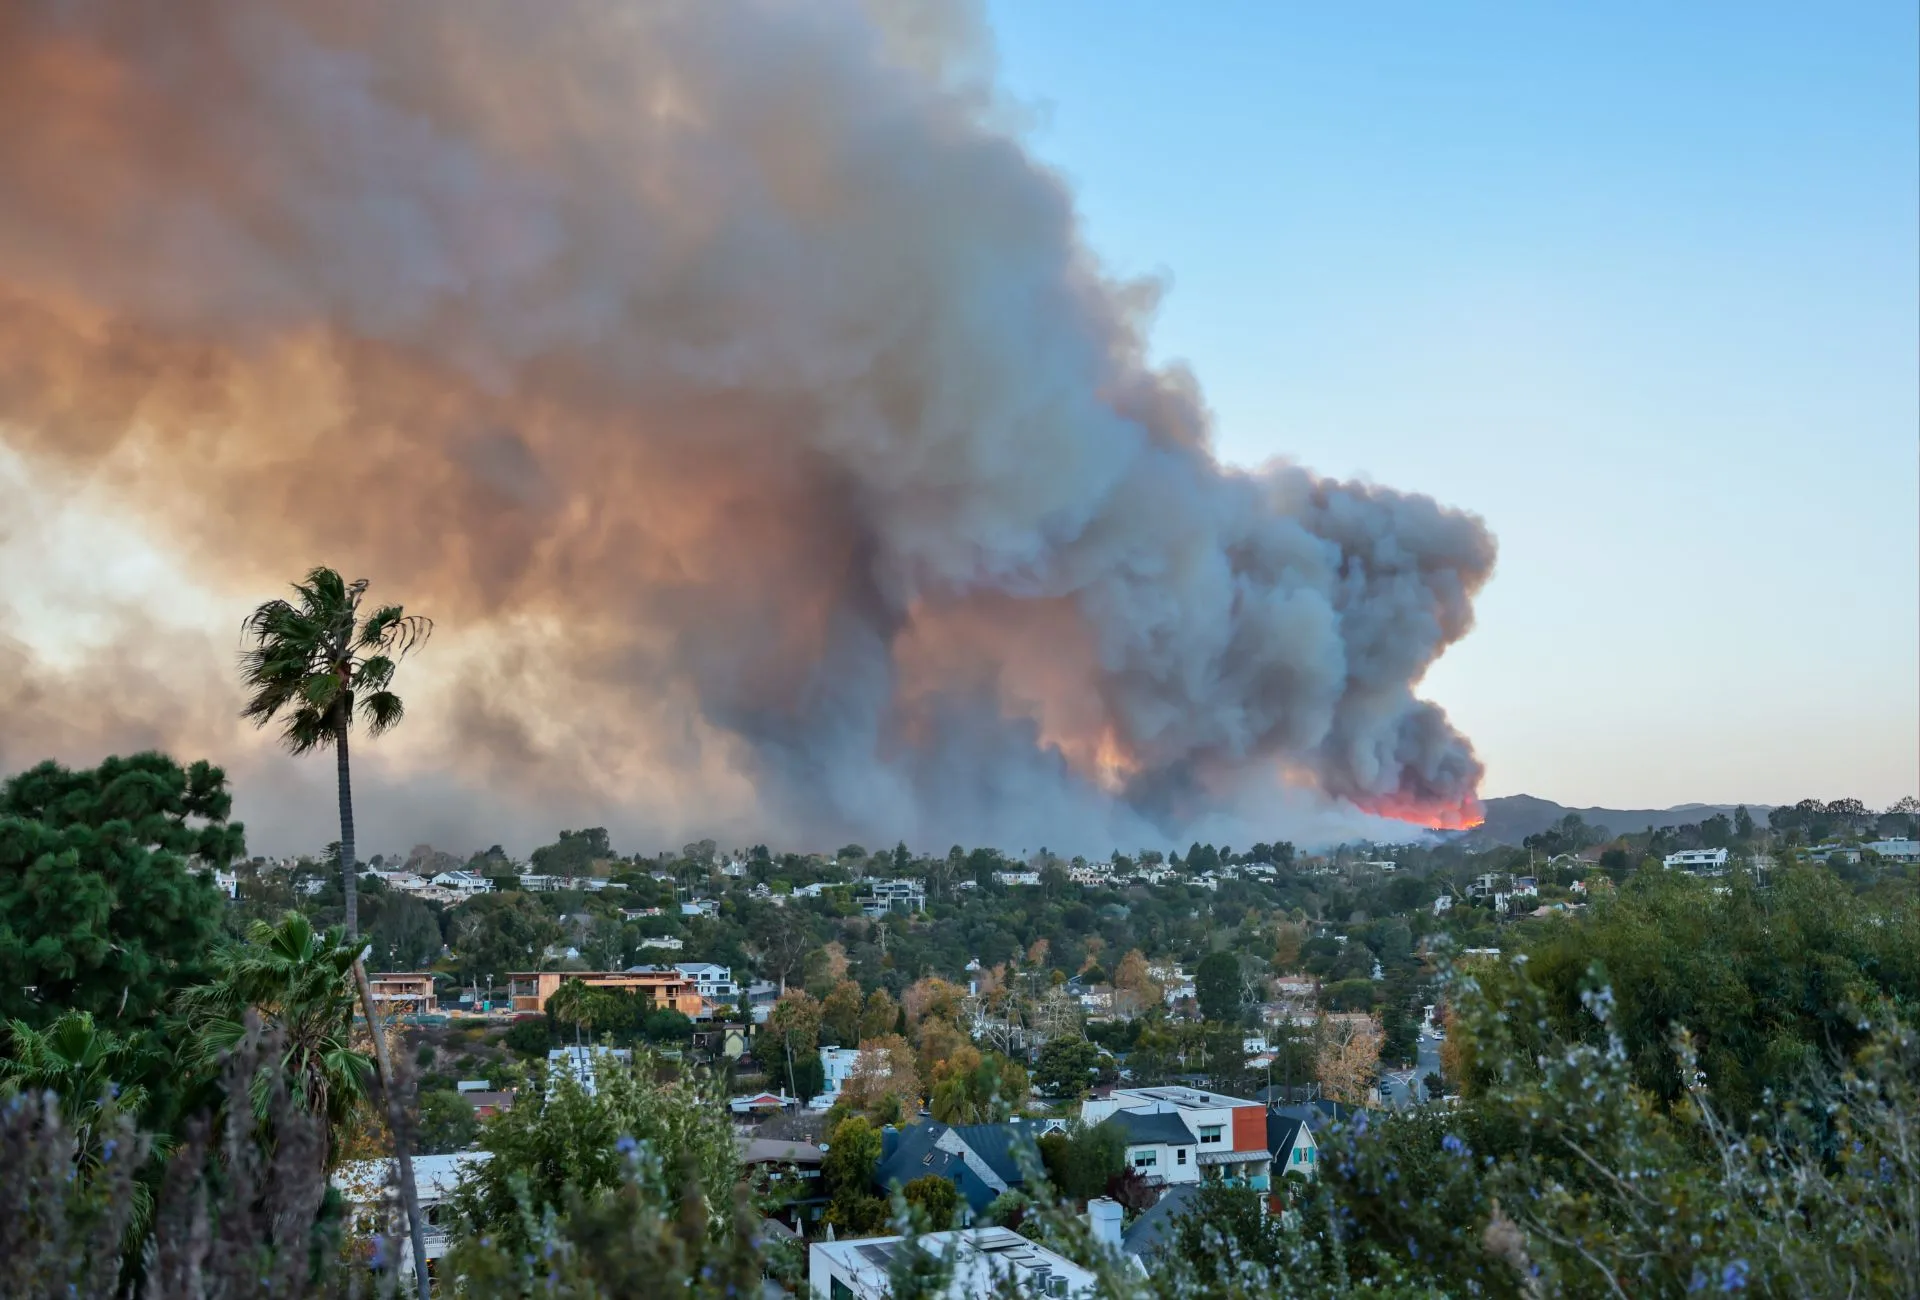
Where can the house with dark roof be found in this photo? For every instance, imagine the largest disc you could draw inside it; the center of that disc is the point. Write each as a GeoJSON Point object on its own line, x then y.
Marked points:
{"type": "Point", "coordinates": [1319, 1115]}
{"type": "Point", "coordinates": [1184, 1135]}
{"type": "Point", "coordinates": [1159, 1146]}
{"type": "Point", "coordinates": [1291, 1143]}
{"type": "Point", "coordinates": [981, 1160]}
{"type": "Point", "coordinates": [1153, 1229]}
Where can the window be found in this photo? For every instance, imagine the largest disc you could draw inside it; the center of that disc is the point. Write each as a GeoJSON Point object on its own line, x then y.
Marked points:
{"type": "Point", "coordinates": [1145, 1159]}
{"type": "Point", "coordinates": [1183, 1155]}
{"type": "Point", "coordinates": [1209, 1134]}
{"type": "Point", "coordinates": [840, 1290]}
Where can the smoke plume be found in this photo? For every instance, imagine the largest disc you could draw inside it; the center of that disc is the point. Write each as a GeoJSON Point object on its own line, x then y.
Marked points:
{"type": "Point", "coordinates": [727, 382]}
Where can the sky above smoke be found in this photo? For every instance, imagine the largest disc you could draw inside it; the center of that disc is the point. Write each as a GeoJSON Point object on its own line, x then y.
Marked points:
{"type": "Point", "coordinates": [730, 386]}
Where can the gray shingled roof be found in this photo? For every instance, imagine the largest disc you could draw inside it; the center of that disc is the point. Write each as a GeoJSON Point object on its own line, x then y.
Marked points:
{"type": "Point", "coordinates": [1154, 1228]}
{"type": "Point", "coordinates": [1282, 1131]}
{"type": "Point", "coordinates": [1141, 1127]}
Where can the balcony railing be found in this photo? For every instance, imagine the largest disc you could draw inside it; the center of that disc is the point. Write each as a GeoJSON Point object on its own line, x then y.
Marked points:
{"type": "Point", "coordinates": [1258, 1182]}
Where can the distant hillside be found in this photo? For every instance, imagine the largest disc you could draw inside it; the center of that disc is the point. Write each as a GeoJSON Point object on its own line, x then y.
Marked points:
{"type": "Point", "coordinates": [1512, 818]}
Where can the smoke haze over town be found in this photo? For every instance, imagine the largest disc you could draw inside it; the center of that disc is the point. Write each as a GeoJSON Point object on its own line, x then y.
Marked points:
{"type": "Point", "coordinates": [731, 387]}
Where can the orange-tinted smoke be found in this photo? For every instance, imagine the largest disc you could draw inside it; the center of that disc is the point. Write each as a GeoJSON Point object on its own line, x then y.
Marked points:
{"type": "Point", "coordinates": [727, 375]}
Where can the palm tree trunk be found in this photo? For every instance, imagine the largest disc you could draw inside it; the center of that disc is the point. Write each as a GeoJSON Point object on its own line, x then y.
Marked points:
{"type": "Point", "coordinates": [397, 1125]}
{"type": "Point", "coordinates": [348, 879]}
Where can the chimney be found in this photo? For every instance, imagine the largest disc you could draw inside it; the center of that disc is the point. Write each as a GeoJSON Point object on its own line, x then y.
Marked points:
{"type": "Point", "coordinates": [889, 1139]}
{"type": "Point", "coordinates": [1103, 1221]}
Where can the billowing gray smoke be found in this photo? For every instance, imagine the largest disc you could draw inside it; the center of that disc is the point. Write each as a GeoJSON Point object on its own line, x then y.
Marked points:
{"type": "Point", "coordinates": [734, 392]}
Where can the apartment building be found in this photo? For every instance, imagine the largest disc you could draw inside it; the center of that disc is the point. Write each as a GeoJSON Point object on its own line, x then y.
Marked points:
{"type": "Point", "coordinates": [666, 988]}
{"type": "Point", "coordinates": [404, 993]}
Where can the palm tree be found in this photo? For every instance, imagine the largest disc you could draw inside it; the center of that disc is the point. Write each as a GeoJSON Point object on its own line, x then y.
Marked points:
{"type": "Point", "coordinates": [299, 981]}
{"type": "Point", "coordinates": [302, 982]}
{"type": "Point", "coordinates": [82, 1064]}
{"type": "Point", "coordinates": [316, 665]}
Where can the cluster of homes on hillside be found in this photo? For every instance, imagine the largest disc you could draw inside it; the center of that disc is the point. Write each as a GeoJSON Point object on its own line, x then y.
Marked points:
{"type": "Point", "coordinates": [699, 990]}
{"type": "Point", "coordinates": [1175, 1139]}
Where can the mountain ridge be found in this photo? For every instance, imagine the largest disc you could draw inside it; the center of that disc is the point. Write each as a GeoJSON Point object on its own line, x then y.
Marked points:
{"type": "Point", "coordinates": [1511, 818]}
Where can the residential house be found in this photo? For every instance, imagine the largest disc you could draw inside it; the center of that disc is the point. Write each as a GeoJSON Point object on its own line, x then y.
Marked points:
{"type": "Point", "coordinates": [758, 1105]}
{"type": "Point", "coordinates": [700, 907]}
{"type": "Point", "coordinates": [1526, 887]}
{"type": "Point", "coordinates": [837, 1064]}
{"type": "Point", "coordinates": [1900, 850]}
{"type": "Point", "coordinates": [1706, 862]}
{"type": "Point", "coordinates": [1160, 1147]}
{"type": "Point", "coordinates": [582, 1063]}
{"type": "Point", "coordinates": [985, 1261]}
{"type": "Point", "coordinates": [1152, 1230]}
{"type": "Point", "coordinates": [710, 981]}
{"type": "Point", "coordinates": [663, 942]}
{"type": "Point", "coordinates": [484, 1097]}
{"type": "Point", "coordinates": [370, 1189]}
{"type": "Point", "coordinates": [1291, 1145]}
{"type": "Point", "coordinates": [1012, 878]}
{"type": "Point", "coordinates": [407, 882]}
{"type": "Point", "coordinates": [1215, 1136]}
{"type": "Point", "coordinates": [664, 987]}
{"type": "Point", "coordinates": [981, 1160]}
{"type": "Point", "coordinates": [1319, 1115]}
{"type": "Point", "coordinates": [885, 896]}
{"type": "Point", "coordinates": [462, 882]}
{"type": "Point", "coordinates": [409, 993]}
{"type": "Point", "coordinates": [721, 1041]}
{"type": "Point", "coordinates": [793, 1170]}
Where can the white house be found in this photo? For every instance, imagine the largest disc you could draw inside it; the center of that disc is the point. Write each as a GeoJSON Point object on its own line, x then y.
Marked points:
{"type": "Point", "coordinates": [712, 982]}
{"type": "Point", "coordinates": [1703, 861]}
{"type": "Point", "coordinates": [884, 896]}
{"type": "Point", "coordinates": [371, 1191]}
{"type": "Point", "coordinates": [1181, 1135]}
{"type": "Point", "coordinates": [837, 1064]}
{"type": "Point", "coordinates": [985, 1261]}
{"type": "Point", "coordinates": [463, 882]}
{"type": "Point", "coordinates": [700, 907]}
{"type": "Point", "coordinates": [1011, 878]}
{"type": "Point", "coordinates": [1290, 1143]}
{"type": "Point", "coordinates": [664, 942]}
{"type": "Point", "coordinates": [580, 1062]}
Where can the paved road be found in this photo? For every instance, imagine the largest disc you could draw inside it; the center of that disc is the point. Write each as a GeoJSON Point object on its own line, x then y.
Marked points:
{"type": "Point", "coordinates": [1400, 1088]}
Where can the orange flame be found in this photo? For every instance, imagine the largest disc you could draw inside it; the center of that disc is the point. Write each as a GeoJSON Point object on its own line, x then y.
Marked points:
{"type": "Point", "coordinates": [1461, 816]}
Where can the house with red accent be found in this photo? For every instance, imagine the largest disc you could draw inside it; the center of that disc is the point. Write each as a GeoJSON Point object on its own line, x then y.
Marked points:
{"type": "Point", "coordinates": [1187, 1135]}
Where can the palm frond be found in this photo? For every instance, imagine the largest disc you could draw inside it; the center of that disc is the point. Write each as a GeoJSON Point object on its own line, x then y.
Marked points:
{"type": "Point", "coordinates": [308, 729]}
{"type": "Point", "coordinates": [391, 628]}
{"type": "Point", "coordinates": [306, 660]}
{"type": "Point", "coordinates": [382, 711]}
{"type": "Point", "coordinates": [374, 674]}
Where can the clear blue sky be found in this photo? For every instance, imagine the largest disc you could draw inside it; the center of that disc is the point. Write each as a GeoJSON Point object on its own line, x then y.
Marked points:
{"type": "Point", "coordinates": [1636, 282]}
